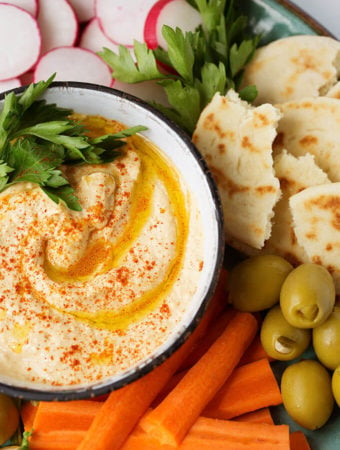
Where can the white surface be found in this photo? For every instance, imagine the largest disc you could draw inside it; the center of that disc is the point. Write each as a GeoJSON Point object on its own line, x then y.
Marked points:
{"type": "Point", "coordinates": [326, 12]}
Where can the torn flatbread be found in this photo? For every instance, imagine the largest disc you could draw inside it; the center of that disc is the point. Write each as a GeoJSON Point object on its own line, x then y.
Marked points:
{"type": "Point", "coordinates": [236, 141]}
{"type": "Point", "coordinates": [295, 175]}
{"type": "Point", "coordinates": [316, 216]}
{"type": "Point", "coordinates": [312, 125]}
{"type": "Point", "coordinates": [294, 67]}
{"type": "Point", "coordinates": [334, 91]}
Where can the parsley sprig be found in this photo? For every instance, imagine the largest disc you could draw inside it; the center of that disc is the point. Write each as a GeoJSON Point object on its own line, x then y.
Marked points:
{"type": "Point", "coordinates": [36, 138]}
{"type": "Point", "coordinates": [209, 60]}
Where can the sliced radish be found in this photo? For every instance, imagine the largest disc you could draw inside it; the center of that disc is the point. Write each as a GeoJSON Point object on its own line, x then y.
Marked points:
{"type": "Point", "coordinates": [30, 6]}
{"type": "Point", "coordinates": [84, 9]}
{"type": "Point", "coordinates": [174, 13]}
{"type": "Point", "coordinates": [58, 24]}
{"type": "Point", "coordinates": [123, 20]}
{"type": "Point", "coordinates": [20, 41]}
{"type": "Point", "coordinates": [149, 91]}
{"type": "Point", "coordinates": [93, 38]}
{"type": "Point", "coordinates": [27, 78]}
{"type": "Point", "coordinates": [73, 64]}
{"type": "Point", "coordinates": [6, 85]}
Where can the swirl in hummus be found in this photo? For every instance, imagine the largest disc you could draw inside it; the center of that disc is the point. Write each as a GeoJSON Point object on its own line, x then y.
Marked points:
{"type": "Point", "coordinates": [88, 294]}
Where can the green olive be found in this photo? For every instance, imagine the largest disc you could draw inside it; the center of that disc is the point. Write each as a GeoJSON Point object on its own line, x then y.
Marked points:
{"type": "Point", "coordinates": [281, 340]}
{"type": "Point", "coordinates": [336, 385]}
{"type": "Point", "coordinates": [255, 283]}
{"type": "Point", "coordinates": [326, 340]}
{"type": "Point", "coordinates": [307, 296]}
{"type": "Point", "coordinates": [307, 393]}
{"type": "Point", "coordinates": [9, 418]}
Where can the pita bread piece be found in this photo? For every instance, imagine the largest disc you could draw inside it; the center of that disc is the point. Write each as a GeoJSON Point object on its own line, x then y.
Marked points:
{"type": "Point", "coordinates": [294, 67]}
{"type": "Point", "coordinates": [316, 216]}
{"type": "Point", "coordinates": [295, 175]}
{"type": "Point", "coordinates": [334, 91]}
{"type": "Point", "coordinates": [236, 141]}
{"type": "Point", "coordinates": [312, 126]}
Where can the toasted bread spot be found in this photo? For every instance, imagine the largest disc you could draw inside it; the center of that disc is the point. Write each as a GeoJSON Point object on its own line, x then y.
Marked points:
{"type": "Point", "coordinates": [222, 148]}
{"type": "Point", "coordinates": [226, 183]}
{"type": "Point", "coordinates": [246, 143]}
{"type": "Point", "coordinates": [260, 120]}
{"type": "Point", "coordinates": [265, 189]}
{"type": "Point", "coordinates": [308, 140]}
{"type": "Point", "coordinates": [317, 260]}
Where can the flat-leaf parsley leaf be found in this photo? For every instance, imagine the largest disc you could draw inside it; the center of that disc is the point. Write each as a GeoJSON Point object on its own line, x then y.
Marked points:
{"type": "Point", "coordinates": [36, 138]}
{"type": "Point", "coordinates": [209, 60]}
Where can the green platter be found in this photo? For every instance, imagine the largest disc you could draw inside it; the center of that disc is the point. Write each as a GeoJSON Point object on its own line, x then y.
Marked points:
{"type": "Point", "coordinates": [274, 20]}
{"type": "Point", "coordinates": [277, 19]}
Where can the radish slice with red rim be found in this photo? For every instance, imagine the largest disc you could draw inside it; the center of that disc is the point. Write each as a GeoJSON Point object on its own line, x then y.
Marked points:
{"type": "Point", "coordinates": [20, 41]}
{"type": "Point", "coordinates": [6, 85]}
{"type": "Point", "coordinates": [73, 64]}
{"type": "Point", "coordinates": [123, 20]}
{"type": "Point", "coordinates": [26, 78]}
{"type": "Point", "coordinates": [30, 6]}
{"type": "Point", "coordinates": [174, 13]}
{"type": "Point", "coordinates": [93, 38]}
{"type": "Point", "coordinates": [58, 24]}
{"type": "Point", "coordinates": [84, 9]}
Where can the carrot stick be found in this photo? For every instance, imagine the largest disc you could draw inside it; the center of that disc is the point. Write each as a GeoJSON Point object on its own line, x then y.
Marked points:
{"type": "Point", "coordinates": [124, 407]}
{"type": "Point", "coordinates": [56, 440]}
{"type": "Point", "coordinates": [208, 434]}
{"type": "Point", "coordinates": [175, 379]}
{"type": "Point", "coordinates": [72, 415]}
{"type": "Point", "coordinates": [212, 334]}
{"type": "Point", "coordinates": [214, 434]}
{"type": "Point", "coordinates": [27, 412]}
{"type": "Point", "coordinates": [254, 352]}
{"type": "Point", "coordinates": [139, 440]}
{"type": "Point", "coordinates": [250, 387]}
{"type": "Point", "coordinates": [298, 441]}
{"type": "Point", "coordinates": [259, 416]}
{"type": "Point", "coordinates": [170, 421]}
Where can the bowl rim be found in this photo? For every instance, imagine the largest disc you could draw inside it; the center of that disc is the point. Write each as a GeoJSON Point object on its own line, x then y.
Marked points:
{"type": "Point", "coordinates": [105, 386]}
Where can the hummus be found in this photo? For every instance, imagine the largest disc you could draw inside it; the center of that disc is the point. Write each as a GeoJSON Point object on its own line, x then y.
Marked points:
{"type": "Point", "coordinates": [87, 295]}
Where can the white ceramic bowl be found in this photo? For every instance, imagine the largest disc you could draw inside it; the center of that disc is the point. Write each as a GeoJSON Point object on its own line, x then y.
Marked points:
{"type": "Point", "coordinates": [177, 146]}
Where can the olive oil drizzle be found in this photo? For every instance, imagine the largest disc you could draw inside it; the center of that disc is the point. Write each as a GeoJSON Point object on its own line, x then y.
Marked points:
{"type": "Point", "coordinates": [102, 256]}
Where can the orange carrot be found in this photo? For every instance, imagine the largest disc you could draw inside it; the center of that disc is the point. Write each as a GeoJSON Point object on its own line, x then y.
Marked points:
{"type": "Point", "coordinates": [254, 352]}
{"type": "Point", "coordinates": [175, 379]}
{"type": "Point", "coordinates": [27, 412]}
{"type": "Point", "coordinates": [259, 416]}
{"type": "Point", "coordinates": [56, 440]}
{"type": "Point", "coordinates": [206, 341]}
{"type": "Point", "coordinates": [208, 434]}
{"type": "Point", "coordinates": [124, 407]}
{"type": "Point", "coordinates": [250, 387]}
{"type": "Point", "coordinates": [72, 415]}
{"type": "Point", "coordinates": [215, 434]}
{"type": "Point", "coordinates": [298, 441]}
{"type": "Point", "coordinates": [139, 440]}
{"type": "Point", "coordinates": [170, 421]}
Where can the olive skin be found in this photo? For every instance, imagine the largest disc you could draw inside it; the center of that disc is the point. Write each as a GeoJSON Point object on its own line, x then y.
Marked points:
{"type": "Point", "coordinates": [307, 396]}
{"type": "Point", "coordinates": [281, 340]}
{"type": "Point", "coordinates": [255, 283]}
{"type": "Point", "coordinates": [326, 340]}
{"type": "Point", "coordinates": [307, 296]}
{"type": "Point", "coordinates": [9, 418]}
{"type": "Point", "coordinates": [336, 385]}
